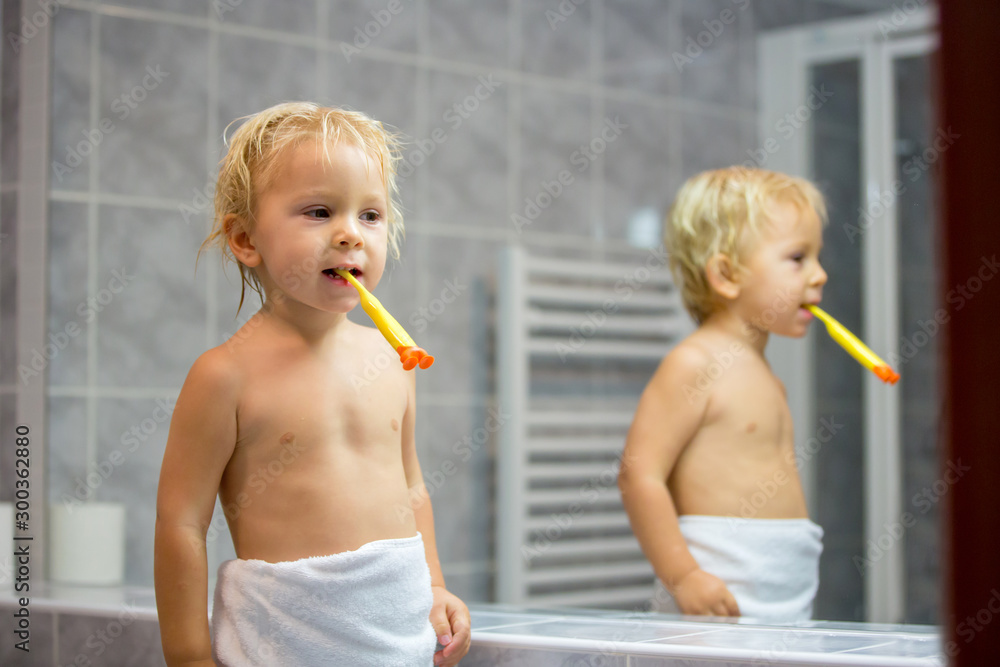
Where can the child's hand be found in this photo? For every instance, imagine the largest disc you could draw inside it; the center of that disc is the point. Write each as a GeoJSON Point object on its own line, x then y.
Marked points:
{"type": "Point", "coordinates": [450, 618]}
{"type": "Point", "coordinates": [703, 594]}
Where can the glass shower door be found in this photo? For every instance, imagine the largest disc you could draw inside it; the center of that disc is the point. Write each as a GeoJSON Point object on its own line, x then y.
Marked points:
{"type": "Point", "coordinates": [867, 141]}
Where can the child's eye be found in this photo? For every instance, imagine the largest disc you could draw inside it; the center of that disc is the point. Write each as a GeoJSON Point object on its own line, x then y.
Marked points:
{"type": "Point", "coordinates": [371, 216]}
{"type": "Point", "coordinates": [319, 213]}
{"type": "Point", "coordinates": [798, 257]}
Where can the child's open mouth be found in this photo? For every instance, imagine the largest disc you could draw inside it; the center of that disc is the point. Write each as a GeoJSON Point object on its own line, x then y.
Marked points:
{"type": "Point", "coordinates": [333, 275]}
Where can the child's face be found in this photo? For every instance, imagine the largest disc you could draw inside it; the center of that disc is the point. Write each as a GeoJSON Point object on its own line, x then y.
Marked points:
{"type": "Point", "coordinates": [782, 272]}
{"type": "Point", "coordinates": [318, 214]}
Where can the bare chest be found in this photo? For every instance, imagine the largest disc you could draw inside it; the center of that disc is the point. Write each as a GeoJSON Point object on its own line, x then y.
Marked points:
{"type": "Point", "coordinates": [752, 406]}
{"type": "Point", "coordinates": [321, 405]}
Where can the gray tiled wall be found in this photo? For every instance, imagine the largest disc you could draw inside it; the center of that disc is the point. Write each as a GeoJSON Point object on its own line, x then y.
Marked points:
{"type": "Point", "coordinates": [9, 180]}
{"type": "Point", "coordinates": [553, 85]}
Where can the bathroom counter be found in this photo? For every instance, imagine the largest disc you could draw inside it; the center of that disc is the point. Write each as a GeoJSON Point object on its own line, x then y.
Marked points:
{"type": "Point", "coordinates": [506, 635]}
{"type": "Point", "coordinates": [66, 620]}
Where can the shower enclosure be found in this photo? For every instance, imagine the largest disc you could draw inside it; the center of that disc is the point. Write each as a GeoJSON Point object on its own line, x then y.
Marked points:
{"type": "Point", "coordinates": [849, 104]}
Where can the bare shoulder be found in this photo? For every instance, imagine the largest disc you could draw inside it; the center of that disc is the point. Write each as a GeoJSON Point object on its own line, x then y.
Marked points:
{"type": "Point", "coordinates": [217, 372]}
{"type": "Point", "coordinates": [686, 360]}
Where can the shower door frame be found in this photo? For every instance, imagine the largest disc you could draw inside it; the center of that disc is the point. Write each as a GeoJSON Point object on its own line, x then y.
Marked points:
{"type": "Point", "coordinates": [784, 59]}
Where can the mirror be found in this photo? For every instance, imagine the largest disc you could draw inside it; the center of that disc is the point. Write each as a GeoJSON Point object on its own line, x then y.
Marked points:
{"type": "Point", "coordinates": [563, 127]}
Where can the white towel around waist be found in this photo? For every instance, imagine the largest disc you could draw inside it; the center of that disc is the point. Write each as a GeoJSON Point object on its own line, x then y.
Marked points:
{"type": "Point", "coordinates": [771, 566]}
{"type": "Point", "coordinates": [365, 607]}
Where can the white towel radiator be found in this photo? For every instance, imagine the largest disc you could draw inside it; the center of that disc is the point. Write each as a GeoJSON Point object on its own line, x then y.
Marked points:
{"type": "Point", "coordinates": [577, 341]}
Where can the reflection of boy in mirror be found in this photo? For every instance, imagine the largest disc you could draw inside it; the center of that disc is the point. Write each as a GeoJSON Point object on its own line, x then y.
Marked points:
{"type": "Point", "coordinates": [318, 476]}
{"type": "Point", "coordinates": [709, 478]}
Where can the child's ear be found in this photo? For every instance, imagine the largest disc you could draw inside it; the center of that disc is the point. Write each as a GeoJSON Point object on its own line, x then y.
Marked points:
{"type": "Point", "coordinates": [723, 276]}
{"type": "Point", "coordinates": [240, 241]}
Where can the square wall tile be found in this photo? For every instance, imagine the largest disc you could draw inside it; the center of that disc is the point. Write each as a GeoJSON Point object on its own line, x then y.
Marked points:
{"type": "Point", "coordinates": [70, 145]}
{"type": "Point", "coordinates": [298, 17]}
{"type": "Point", "coordinates": [67, 451]}
{"type": "Point", "coordinates": [455, 446]}
{"type": "Point", "coordinates": [255, 74]}
{"type": "Point", "coordinates": [371, 23]}
{"type": "Point", "coordinates": [153, 104]}
{"type": "Point", "coordinates": [559, 160]}
{"type": "Point", "coordinates": [131, 439]}
{"type": "Point", "coordinates": [641, 170]}
{"type": "Point", "coordinates": [110, 641]}
{"type": "Point", "coordinates": [153, 327]}
{"type": "Point", "coordinates": [70, 313]}
{"type": "Point", "coordinates": [480, 36]}
{"type": "Point", "coordinates": [467, 171]}
{"type": "Point", "coordinates": [710, 142]}
{"type": "Point", "coordinates": [557, 39]}
{"type": "Point", "coordinates": [638, 43]}
{"type": "Point", "coordinates": [454, 314]}
{"type": "Point", "coordinates": [713, 50]}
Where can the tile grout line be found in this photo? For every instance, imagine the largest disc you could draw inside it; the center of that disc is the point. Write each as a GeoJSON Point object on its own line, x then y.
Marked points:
{"type": "Point", "coordinates": [675, 103]}
{"type": "Point", "coordinates": [93, 230]}
{"type": "Point", "coordinates": [515, 121]}
{"type": "Point", "coordinates": [597, 111]}
{"type": "Point", "coordinates": [212, 128]}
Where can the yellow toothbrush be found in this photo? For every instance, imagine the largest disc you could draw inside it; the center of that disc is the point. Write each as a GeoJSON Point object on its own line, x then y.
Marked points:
{"type": "Point", "coordinates": [409, 353]}
{"type": "Point", "coordinates": [855, 347]}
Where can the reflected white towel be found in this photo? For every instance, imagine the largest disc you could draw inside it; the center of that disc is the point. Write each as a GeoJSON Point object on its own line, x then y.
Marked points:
{"type": "Point", "coordinates": [365, 607]}
{"type": "Point", "coordinates": [771, 566]}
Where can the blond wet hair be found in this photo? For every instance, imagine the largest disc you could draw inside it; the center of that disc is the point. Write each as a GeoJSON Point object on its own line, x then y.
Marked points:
{"type": "Point", "coordinates": [253, 159]}
{"type": "Point", "coordinates": [717, 212]}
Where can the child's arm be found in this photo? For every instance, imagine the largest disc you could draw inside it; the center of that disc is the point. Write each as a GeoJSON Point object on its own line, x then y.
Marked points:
{"type": "Point", "coordinates": [666, 420]}
{"type": "Point", "coordinates": [449, 615]}
{"type": "Point", "coordinates": [201, 440]}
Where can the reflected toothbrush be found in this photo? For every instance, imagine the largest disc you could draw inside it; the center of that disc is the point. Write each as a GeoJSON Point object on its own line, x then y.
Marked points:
{"type": "Point", "coordinates": [855, 347]}
{"type": "Point", "coordinates": [409, 353]}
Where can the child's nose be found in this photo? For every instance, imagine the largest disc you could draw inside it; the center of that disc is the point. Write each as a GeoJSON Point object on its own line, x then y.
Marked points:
{"type": "Point", "coordinates": [819, 278]}
{"type": "Point", "coordinates": [346, 232]}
